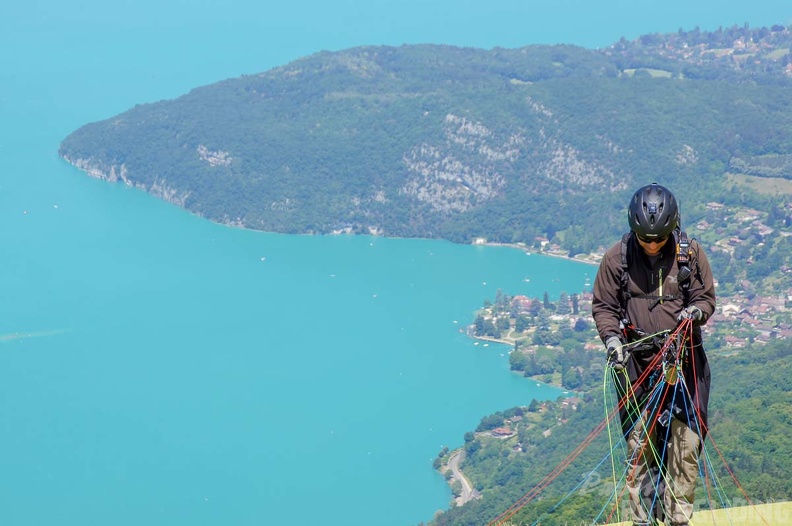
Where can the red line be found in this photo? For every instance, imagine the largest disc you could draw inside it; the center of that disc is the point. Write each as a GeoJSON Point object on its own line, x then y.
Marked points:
{"type": "Point", "coordinates": [703, 427]}
{"type": "Point", "coordinates": [531, 494]}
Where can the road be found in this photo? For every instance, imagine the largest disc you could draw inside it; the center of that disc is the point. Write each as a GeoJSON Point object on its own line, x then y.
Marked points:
{"type": "Point", "coordinates": [468, 493]}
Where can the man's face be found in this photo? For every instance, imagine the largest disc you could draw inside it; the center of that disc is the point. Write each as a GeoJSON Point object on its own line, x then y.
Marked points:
{"type": "Point", "coordinates": [652, 247]}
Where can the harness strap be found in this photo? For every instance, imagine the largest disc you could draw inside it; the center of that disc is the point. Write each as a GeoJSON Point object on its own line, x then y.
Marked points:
{"type": "Point", "coordinates": [657, 299]}
{"type": "Point", "coordinates": [683, 264]}
{"type": "Point", "coordinates": [624, 292]}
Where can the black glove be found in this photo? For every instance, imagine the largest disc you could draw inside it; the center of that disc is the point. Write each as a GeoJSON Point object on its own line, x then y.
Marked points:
{"type": "Point", "coordinates": [691, 313]}
{"type": "Point", "coordinates": [615, 353]}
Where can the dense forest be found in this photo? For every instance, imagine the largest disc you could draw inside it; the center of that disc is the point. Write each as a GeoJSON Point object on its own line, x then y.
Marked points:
{"type": "Point", "coordinates": [461, 143]}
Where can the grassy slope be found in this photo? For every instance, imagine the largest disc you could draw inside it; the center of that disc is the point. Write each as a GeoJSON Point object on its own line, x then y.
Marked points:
{"type": "Point", "coordinates": [759, 515]}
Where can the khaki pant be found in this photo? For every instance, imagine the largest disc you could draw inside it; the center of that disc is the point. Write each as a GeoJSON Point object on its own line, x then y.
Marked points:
{"type": "Point", "coordinates": [681, 463]}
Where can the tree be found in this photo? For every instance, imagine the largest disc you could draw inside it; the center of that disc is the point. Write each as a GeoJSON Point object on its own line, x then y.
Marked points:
{"type": "Point", "coordinates": [543, 320]}
{"type": "Point", "coordinates": [571, 378]}
{"type": "Point", "coordinates": [519, 361]}
{"type": "Point", "coordinates": [563, 306]}
{"type": "Point", "coordinates": [542, 336]}
{"type": "Point", "coordinates": [478, 325]}
{"type": "Point", "coordinates": [490, 422]}
{"type": "Point", "coordinates": [484, 327]}
{"type": "Point", "coordinates": [742, 253]}
{"type": "Point", "coordinates": [544, 364]}
{"type": "Point", "coordinates": [501, 300]}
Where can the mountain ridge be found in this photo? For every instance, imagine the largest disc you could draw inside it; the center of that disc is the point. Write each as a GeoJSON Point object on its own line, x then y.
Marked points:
{"type": "Point", "coordinates": [458, 143]}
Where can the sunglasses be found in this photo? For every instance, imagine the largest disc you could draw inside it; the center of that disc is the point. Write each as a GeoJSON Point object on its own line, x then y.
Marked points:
{"type": "Point", "coordinates": [657, 240]}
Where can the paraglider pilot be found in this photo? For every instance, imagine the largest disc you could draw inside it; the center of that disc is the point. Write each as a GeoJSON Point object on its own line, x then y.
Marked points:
{"type": "Point", "coordinates": [647, 285]}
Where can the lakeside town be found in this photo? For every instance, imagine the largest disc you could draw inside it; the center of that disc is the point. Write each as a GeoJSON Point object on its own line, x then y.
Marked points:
{"type": "Point", "coordinates": [750, 253]}
{"type": "Point", "coordinates": [741, 48]}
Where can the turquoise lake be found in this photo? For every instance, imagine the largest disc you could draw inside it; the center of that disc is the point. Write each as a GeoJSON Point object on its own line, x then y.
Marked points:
{"type": "Point", "coordinates": [159, 369]}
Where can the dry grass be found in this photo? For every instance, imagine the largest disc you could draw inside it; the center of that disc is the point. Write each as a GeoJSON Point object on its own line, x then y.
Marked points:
{"type": "Point", "coordinates": [763, 185]}
{"type": "Point", "coordinates": [760, 515]}
{"type": "Point", "coordinates": [656, 73]}
{"type": "Point", "coordinates": [777, 54]}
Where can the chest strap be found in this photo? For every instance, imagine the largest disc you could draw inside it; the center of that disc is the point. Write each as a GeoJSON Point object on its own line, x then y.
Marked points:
{"type": "Point", "coordinates": [683, 257]}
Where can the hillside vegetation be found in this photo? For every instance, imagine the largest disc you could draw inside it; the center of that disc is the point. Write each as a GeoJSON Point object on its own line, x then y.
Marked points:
{"type": "Point", "coordinates": [750, 421]}
{"type": "Point", "coordinates": [460, 143]}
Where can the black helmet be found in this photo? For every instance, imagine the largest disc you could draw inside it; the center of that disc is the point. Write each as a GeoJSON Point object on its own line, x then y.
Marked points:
{"type": "Point", "coordinates": [653, 212]}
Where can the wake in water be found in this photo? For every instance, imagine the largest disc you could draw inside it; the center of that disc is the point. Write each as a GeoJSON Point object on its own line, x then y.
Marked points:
{"type": "Point", "coordinates": [15, 336]}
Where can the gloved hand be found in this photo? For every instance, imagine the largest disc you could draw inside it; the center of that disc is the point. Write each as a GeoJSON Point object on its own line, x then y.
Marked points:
{"type": "Point", "coordinates": [615, 352]}
{"type": "Point", "coordinates": [691, 313]}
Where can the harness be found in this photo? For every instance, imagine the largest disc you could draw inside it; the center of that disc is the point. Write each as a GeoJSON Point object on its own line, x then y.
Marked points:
{"type": "Point", "coordinates": [684, 260]}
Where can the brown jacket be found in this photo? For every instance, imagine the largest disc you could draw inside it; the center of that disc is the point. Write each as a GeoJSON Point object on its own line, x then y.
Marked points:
{"type": "Point", "coordinates": [654, 281]}
{"type": "Point", "coordinates": [647, 283]}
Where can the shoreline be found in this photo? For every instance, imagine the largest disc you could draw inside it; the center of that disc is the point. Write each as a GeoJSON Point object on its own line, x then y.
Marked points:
{"type": "Point", "coordinates": [488, 339]}
{"type": "Point", "coordinates": [589, 259]}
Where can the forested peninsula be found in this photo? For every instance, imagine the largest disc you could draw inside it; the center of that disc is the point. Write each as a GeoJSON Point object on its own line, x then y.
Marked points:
{"type": "Point", "coordinates": [460, 143]}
